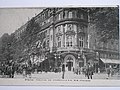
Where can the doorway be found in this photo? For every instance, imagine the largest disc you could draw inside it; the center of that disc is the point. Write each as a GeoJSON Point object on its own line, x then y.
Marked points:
{"type": "Point", "coordinates": [69, 61]}
{"type": "Point", "coordinates": [70, 65]}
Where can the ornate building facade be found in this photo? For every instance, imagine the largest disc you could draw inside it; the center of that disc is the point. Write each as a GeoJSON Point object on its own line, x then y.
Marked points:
{"type": "Point", "coordinates": [65, 37]}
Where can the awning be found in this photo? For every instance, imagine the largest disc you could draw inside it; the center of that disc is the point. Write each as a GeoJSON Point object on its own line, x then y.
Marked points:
{"type": "Point", "coordinates": [110, 61]}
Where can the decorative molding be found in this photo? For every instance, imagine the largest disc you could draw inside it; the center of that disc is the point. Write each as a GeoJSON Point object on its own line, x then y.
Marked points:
{"type": "Point", "coordinates": [59, 34]}
{"type": "Point", "coordinates": [69, 32]}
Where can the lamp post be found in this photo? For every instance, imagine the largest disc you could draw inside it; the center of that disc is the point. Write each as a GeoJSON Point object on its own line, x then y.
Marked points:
{"type": "Point", "coordinates": [46, 64]}
{"type": "Point", "coordinates": [79, 63]}
{"type": "Point", "coordinates": [98, 57]}
{"type": "Point", "coordinates": [55, 60]}
{"type": "Point", "coordinates": [78, 58]}
{"type": "Point", "coordinates": [59, 58]}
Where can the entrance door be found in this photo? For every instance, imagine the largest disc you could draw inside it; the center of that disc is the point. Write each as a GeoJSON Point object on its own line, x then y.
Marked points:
{"type": "Point", "coordinates": [70, 65]}
{"type": "Point", "coordinates": [81, 64]}
{"type": "Point", "coordinates": [69, 61]}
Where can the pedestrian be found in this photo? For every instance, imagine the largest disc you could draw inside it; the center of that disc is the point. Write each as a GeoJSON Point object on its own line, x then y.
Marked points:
{"type": "Point", "coordinates": [13, 68]}
{"type": "Point", "coordinates": [7, 71]}
{"type": "Point", "coordinates": [2, 70]}
{"type": "Point", "coordinates": [108, 72]}
{"type": "Point", "coordinates": [10, 71]}
{"type": "Point", "coordinates": [112, 72]}
{"type": "Point", "coordinates": [63, 71]}
{"type": "Point", "coordinates": [13, 71]}
{"type": "Point", "coordinates": [29, 70]}
{"type": "Point", "coordinates": [24, 69]}
{"type": "Point", "coordinates": [98, 70]}
{"type": "Point", "coordinates": [79, 70]}
{"type": "Point", "coordinates": [89, 71]}
{"type": "Point", "coordinates": [85, 70]}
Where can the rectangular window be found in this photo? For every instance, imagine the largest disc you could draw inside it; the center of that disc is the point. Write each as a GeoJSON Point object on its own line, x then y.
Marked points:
{"type": "Point", "coordinates": [63, 15]}
{"type": "Point", "coordinates": [70, 15]}
{"type": "Point", "coordinates": [59, 41]}
{"type": "Point", "coordinates": [81, 16]}
{"type": "Point", "coordinates": [81, 41]}
{"type": "Point", "coordinates": [67, 44]}
{"type": "Point", "coordinates": [66, 14]}
{"type": "Point", "coordinates": [58, 16]}
{"type": "Point", "coordinates": [59, 44]}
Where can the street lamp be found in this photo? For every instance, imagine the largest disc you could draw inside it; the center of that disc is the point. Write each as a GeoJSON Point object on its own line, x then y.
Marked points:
{"type": "Point", "coordinates": [97, 57]}
{"type": "Point", "coordinates": [78, 56]}
{"type": "Point", "coordinates": [46, 57]}
{"type": "Point", "coordinates": [55, 60]}
{"type": "Point", "coordinates": [59, 57]}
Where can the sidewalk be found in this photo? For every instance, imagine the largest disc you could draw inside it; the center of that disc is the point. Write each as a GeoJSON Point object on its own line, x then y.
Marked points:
{"type": "Point", "coordinates": [71, 79]}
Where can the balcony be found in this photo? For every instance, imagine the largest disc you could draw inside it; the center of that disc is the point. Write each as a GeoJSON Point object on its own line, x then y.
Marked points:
{"type": "Point", "coordinates": [73, 48]}
{"type": "Point", "coordinates": [74, 20]}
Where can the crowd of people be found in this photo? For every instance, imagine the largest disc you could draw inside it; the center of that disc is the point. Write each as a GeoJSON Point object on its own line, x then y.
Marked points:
{"type": "Point", "coordinates": [10, 69]}
{"type": "Point", "coordinates": [89, 71]}
{"type": "Point", "coordinates": [7, 69]}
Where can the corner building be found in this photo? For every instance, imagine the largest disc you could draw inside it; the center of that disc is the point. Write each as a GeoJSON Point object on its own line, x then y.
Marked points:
{"type": "Point", "coordinates": [68, 37]}
{"type": "Point", "coordinates": [63, 38]}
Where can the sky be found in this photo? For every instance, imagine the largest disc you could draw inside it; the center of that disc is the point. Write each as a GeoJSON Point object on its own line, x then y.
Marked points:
{"type": "Point", "coordinates": [12, 18]}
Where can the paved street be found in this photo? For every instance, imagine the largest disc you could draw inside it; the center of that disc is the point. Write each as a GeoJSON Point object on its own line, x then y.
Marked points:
{"type": "Point", "coordinates": [68, 75]}
{"type": "Point", "coordinates": [52, 78]}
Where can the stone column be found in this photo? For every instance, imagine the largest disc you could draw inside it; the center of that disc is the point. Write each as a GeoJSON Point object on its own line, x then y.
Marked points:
{"type": "Point", "coordinates": [84, 59]}
{"type": "Point", "coordinates": [88, 41]}
{"type": "Point", "coordinates": [65, 34]}
{"type": "Point", "coordinates": [75, 37]}
{"type": "Point", "coordinates": [62, 42]}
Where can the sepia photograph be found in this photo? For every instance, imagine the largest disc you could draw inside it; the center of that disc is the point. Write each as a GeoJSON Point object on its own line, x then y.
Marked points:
{"type": "Point", "coordinates": [64, 46]}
